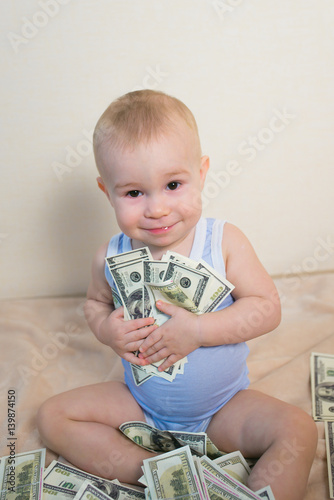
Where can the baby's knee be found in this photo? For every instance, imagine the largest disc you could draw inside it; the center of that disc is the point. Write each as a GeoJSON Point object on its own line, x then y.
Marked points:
{"type": "Point", "coordinates": [48, 418]}
{"type": "Point", "coordinates": [300, 429]}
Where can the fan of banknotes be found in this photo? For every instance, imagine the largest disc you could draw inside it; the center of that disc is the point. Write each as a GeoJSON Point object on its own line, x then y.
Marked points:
{"type": "Point", "coordinates": [189, 466]}
{"type": "Point", "coordinates": [140, 281]}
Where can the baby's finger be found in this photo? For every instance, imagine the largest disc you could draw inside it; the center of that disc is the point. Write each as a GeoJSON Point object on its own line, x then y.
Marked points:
{"type": "Point", "coordinates": [151, 339]}
{"type": "Point", "coordinates": [141, 334]}
{"type": "Point", "coordinates": [136, 324]}
{"type": "Point", "coordinates": [132, 358]}
{"type": "Point", "coordinates": [158, 355]}
{"type": "Point", "coordinates": [134, 342]}
{"type": "Point", "coordinates": [169, 361]}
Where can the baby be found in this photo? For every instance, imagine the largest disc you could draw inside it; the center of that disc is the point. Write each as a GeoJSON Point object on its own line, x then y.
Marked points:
{"type": "Point", "coordinates": [148, 154]}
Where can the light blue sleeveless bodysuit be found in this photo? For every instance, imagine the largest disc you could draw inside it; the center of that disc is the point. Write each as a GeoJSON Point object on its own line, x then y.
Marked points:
{"type": "Point", "coordinates": [212, 376]}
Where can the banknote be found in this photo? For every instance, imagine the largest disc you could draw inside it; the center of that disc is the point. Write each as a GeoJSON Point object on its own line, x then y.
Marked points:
{"type": "Point", "coordinates": [173, 475]}
{"type": "Point", "coordinates": [128, 278]}
{"type": "Point", "coordinates": [139, 374]}
{"type": "Point", "coordinates": [212, 487]}
{"type": "Point", "coordinates": [191, 281]}
{"type": "Point", "coordinates": [322, 385]}
{"type": "Point", "coordinates": [202, 480]}
{"type": "Point", "coordinates": [235, 465]}
{"type": "Point", "coordinates": [169, 291]}
{"type": "Point", "coordinates": [149, 437]}
{"type": "Point", "coordinates": [117, 491]}
{"type": "Point", "coordinates": [154, 271]}
{"type": "Point", "coordinates": [70, 478]}
{"type": "Point", "coordinates": [154, 439]}
{"type": "Point", "coordinates": [212, 450]}
{"type": "Point", "coordinates": [138, 254]}
{"type": "Point", "coordinates": [266, 493]}
{"type": "Point", "coordinates": [21, 475]}
{"type": "Point", "coordinates": [197, 441]}
{"type": "Point", "coordinates": [57, 493]}
{"type": "Point", "coordinates": [218, 289]}
{"type": "Point", "coordinates": [329, 433]}
{"type": "Point", "coordinates": [170, 373]}
{"type": "Point", "coordinates": [89, 492]}
{"type": "Point", "coordinates": [212, 470]}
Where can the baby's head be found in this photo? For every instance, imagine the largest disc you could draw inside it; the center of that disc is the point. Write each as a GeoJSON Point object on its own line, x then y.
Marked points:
{"type": "Point", "coordinates": [137, 118]}
{"type": "Point", "coordinates": [148, 154]}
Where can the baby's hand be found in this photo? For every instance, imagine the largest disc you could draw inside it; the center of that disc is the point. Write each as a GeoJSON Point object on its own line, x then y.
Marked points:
{"type": "Point", "coordinates": [125, 337]}
{"type": "Point", "coordinates": [173, 340]}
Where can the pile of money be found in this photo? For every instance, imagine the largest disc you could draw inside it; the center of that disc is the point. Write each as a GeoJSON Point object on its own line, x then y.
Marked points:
{"type": "Point", "coordinates": [140, 281]}
{"type": "Point", "coordinates": [190, 466]}
{"type": "Point", "coordinates": [322, 386]}
{"type": "Point", "coordinates": [183, 472]}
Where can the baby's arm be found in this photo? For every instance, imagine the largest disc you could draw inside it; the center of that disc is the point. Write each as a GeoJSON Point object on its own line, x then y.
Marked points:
{"type": "Point", "coordinates": [106, 322]}
{"type": "Point", "coordinates": [256, 309]}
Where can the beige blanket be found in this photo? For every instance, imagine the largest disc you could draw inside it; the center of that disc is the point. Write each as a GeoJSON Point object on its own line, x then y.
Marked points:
{"type": "Point", "coordinates": [47, 348]}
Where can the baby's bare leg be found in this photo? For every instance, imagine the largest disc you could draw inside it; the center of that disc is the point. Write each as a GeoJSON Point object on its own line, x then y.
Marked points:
{"type": "Point", "coordinates": [82, 426]}
{"type": "Point", "coordinates": [284, 436]}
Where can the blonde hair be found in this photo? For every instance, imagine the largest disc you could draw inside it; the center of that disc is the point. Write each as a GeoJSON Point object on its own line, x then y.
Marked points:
{"type": "Point", "coordinates": [138, 117]}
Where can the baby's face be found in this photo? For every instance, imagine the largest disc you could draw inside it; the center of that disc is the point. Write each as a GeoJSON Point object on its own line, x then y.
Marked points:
{"type": "Point", "coordinates": [156, 190]}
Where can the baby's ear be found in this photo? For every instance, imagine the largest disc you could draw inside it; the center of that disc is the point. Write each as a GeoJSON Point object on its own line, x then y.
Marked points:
{"type": "Point", "coordinates": [205, 164]}
{"type": "Point", "coordinates": [102, 186]}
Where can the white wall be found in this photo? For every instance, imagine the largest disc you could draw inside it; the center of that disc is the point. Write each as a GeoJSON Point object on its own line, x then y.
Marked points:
{"type": "Point", "coordinates": [254, 71]}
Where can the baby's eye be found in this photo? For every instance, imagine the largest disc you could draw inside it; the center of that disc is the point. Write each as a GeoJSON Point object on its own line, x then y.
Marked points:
{"type": "Point", "coordinates": [173, 185]}
{"type": "Point", "coordinates": [134, 193]}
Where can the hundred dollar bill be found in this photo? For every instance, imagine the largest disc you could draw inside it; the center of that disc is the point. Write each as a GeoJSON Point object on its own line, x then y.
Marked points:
{"type": "Point", "coordinates": [56, 493]}
{"type": "Point", "coordinates": [177, 257]}
{"type": "Point", "coordinates": [266, 493]}
{"type": "Point", "coordinates": [117, 491]}
{"type": "Point", "coordinates": [138, 254]}
{"type": "Point", "coordinates": [191, 281]}
{"type": "Point", "coordinates": [329, 433]}
{"type": "Point", "coordinates": [322, 385]}
{"type": "Point", "coordinates": [89, 492]}
{"type": "Point", "coordinates": [218, 287]}
{"type": "Point", "coordinates": [128, 278]}
{"type": "Point", "coordinates": [217, 290]}
{"type": "Point", "coordinates": [195, 440]}
{"type": "Point", "coordinates": [139, 374]}
{"type": "Point", "coordinates": [212, 487]}
{"type": "Point", "coordinates": [70, 478]}
{"type": "Point", "coordinates": [149, 437]}
{"type": "Point", "coordinates": [21, 475]}
{"type": "Point", "coordinates": [154, 439]}
{"type": "Point", "coordinates": [212, 470]}
{"type": "Point", "coordinates": [212, 450]}
{"type": "Point", "coordinates": [173, 475]}
{"type": "Point", "coordinates": [169, 374]}
{"type": "Point", "coordinates": [235, 465]}
{"type": "Point", "coordinates": [169, 291]}
{"type": "Point", "coordinates": [154, 271]}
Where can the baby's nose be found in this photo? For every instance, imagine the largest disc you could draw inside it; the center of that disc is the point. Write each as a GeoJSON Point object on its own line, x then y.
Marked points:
{"type": "Point", "coordinates": [156, 207]}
